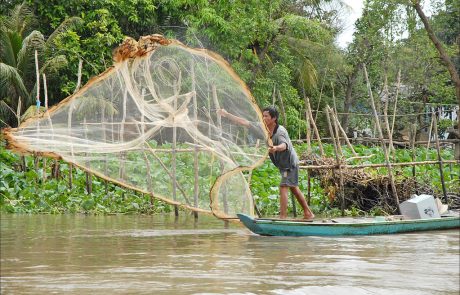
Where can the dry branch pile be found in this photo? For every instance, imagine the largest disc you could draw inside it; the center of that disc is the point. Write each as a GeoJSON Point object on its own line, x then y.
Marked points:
{"type": "Point", "coordinates": [362, 188]}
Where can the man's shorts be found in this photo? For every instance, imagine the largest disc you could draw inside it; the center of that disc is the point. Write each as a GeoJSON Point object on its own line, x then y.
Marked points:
{"type": "Point", "coordinates": [290, 177]}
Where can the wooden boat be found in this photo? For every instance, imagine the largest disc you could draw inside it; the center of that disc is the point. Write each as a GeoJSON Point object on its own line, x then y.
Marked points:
{"type": "Point", "coordinates": [347, 226]}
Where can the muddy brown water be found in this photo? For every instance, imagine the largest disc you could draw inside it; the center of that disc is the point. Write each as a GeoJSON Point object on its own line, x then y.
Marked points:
{"type": "Point", "coordinates": [75, 254]}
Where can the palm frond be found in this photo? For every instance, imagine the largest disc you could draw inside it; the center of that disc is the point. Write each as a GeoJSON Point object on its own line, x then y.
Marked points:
{"type": "Point", "coordinates": [307, 75]}
{"type": "Point", "coordinates": [7, 54]}
{"type": "Point", "coordinates": [66, 25]}
{"type": "Point", "coordinates": [10, 78]}
{"type": "Point", "coordinates": [25, 58]}
{"type": "Point", "coordinates": [21, 19]}
{"type": "Point", "coordinates": [6, 113]}
{"type": "Point", "coordinates": [52, 65]}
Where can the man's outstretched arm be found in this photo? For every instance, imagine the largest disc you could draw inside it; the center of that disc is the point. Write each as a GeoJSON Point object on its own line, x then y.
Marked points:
{"type": "Point", "coordinates": [233, 118]}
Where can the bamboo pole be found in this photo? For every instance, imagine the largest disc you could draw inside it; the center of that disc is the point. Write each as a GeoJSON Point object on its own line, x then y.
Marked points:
{"type": "Point", "coordinates": [121, 169]}
{"type": "Point", "coordinates": [249, 185]}
{"type": "Point", "coordinates": [174, 144]}
{"type": "Point", "coordinates": [413, 135]}
{"type": "Point", "coordinates": [398, 84]}
{"type": "Point", "coordinates": [45, 89]}
{"type": "Point", "coordinates": [195, 149]}
{"type": "Point", "coordinates": [402, 164]}
{"type": "Point", "coordinates": [441, 165]}
{"type": "Point", "coordinates": [385, 151]}
{"type": "Point", "coordinates": [89, 179]}
{"type": "Point", "coordinates": [429, 135]}
{"type": "Point", "coordinates": [219, 126]}
{"type": "Point", "coordinates": [337, 160]}
{"type": "Point", "coordinates": [336, 130]}
{"type": "Point", "coordinates": [69, 118]}
{"type": "Point", "coordinates": [37, 110]}
{"type": "Point", "coordinates": [385, 115]}
{"type": "Point", "coordinates": [307, 121]}
{"type": "Point", "coordinates": [345, 136]}
{"type": "Point", "coordinates": [145, 143]}
{"type": "Point", "coordinates": [283, 110]}
{"type": "Point", "coordinates": [315, 129]}
{"type": "Point", "coordinates": [171, 175]}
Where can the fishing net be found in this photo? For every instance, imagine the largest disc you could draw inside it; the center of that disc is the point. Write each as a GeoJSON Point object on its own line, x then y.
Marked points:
{"type": "Point", "coordinates": [151, 123]}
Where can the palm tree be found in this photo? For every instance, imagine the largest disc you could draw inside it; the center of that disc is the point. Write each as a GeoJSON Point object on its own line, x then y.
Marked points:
{"type": "Point", "coordinates": [18, 44]}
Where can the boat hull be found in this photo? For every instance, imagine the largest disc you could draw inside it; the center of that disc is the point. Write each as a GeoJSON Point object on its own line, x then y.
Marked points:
{"type": "Point", "coordinates": [268, 227]}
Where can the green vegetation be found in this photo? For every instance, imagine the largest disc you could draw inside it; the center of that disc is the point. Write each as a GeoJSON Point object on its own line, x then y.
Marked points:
{"type": "Point", "coordinates": [26, 192]}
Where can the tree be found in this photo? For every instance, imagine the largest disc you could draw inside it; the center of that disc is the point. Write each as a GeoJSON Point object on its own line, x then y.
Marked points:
{"type": "Point", "coordinates": [18, 44]}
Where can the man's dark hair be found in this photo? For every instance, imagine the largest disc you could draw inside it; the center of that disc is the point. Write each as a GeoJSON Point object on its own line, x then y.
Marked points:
{"type": "Point", "coordinates": [272, 111]}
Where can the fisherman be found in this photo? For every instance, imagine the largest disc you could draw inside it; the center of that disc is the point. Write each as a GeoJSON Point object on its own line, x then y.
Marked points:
{"type": "Point", "coordinates": [283, 156]}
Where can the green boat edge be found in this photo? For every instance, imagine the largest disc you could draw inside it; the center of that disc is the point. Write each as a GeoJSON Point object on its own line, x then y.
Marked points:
{"type": "Point", "coordinates": [267, 227]}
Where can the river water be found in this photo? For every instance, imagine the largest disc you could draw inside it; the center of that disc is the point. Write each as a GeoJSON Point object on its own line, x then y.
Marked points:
{"type": "Point", "coordinates": [77, 254]}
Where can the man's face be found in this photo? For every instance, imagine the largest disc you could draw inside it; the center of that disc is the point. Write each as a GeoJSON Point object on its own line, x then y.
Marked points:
{"type": "Point", "coordinates": [269, 121]}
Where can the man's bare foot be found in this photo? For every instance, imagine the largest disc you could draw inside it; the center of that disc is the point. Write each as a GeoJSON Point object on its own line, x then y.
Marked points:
{"type": "Point", "coordinates": [309, 217]}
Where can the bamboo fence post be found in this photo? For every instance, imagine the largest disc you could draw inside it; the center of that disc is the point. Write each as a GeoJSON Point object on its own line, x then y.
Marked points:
{"type": "Point", "coordinates": [69, 118]}
{"type": "Point", "coordinates": [219, 125]}
{"type": "Point", "coordinates": [315, 129]}
{"type": "Point", "coordinates": [146, 143]}
{"type": "Point", "coordinates": [413, 135]}
{"type": "Point", "coordinates": [429, 135]}
{"type": "Point", "coordinates": [104, 139]}
{"type": "Point", "coordinates": [249, 185]}
{"type": "Point", "coordinates": [37, 110]}
{"type": "Point", "coordinates": [307, 121]}
{"type": "Point", "coordinates": [49, 121]}
{"type": "Point", "coordinates": [336, 130]}
{"type": "Point", "coordinates": [385, 114]}
{"type": "Point", "coordinates": [337, 160]}
{"type": "Point", "coordinates": [89, 180]}
{"type": "Point", "coordinates": [441, 165]}
{"type": "Point", "coordinates": [336, 119]}
{"type": "Point", "coordinates": [195, 153]}
{"type": "Point", "coordinates": [385, 151]}
{"type": "Point", "coordinates": [173, 155]}
{"type": "Point", "coordinates": [283, 110]}
{"type": "Point", "coordinates": [398, 84]}
{"type": "Point", "coordinates": [361, 166]}
{"type": "Point", "coordinates": [308, 187]}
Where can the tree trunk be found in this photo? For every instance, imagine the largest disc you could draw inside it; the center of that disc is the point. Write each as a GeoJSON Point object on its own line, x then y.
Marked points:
{"type": "Point", "coordinates": [442, 53]}
{"type": "Point", "coordinates": [348, 98]}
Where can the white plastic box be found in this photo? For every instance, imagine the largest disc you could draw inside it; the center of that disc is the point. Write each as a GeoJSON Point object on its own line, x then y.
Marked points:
{"type": "Point", "coordinates": [420, 207]}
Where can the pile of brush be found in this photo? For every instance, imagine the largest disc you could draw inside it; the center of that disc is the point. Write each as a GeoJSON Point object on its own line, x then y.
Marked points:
{"type": "Point", "coordinates": [362, 188]}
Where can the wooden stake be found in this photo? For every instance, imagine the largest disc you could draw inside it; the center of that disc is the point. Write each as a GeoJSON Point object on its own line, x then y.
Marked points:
{"type": "Point", "coordinates": [69, 119]}
{"type": "Point", "coordinates": [413, 135]}
{"type": "Point", "coordinates": [312, 121]}
{"type": "Point", "coordinates": [174, 143]}
{"type": "Point", "coordinates": [398, 83]}
{"type": "Point", "coordinates": [441, 166]}
{"type": "Point", "coordinates": [379, 129]}
{"type": "Point", "coordinates": [195, 152]}
{"type": "Point", "coordinates": [336, 130]}
{"type": "Point", "coordinates": [249, 185]}
{"type": "Point", "coordinates": [219, 126]}
{"type": "Point", "coordinates": [385, 115]}
{"type": "Point", "coordinates": [345, 136]}
{"type": "Point", "coordinates": [337, 160]}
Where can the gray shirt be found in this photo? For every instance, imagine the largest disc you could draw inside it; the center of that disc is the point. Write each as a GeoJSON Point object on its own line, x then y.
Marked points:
{"type": "Point", "coordinates": [286, 159]}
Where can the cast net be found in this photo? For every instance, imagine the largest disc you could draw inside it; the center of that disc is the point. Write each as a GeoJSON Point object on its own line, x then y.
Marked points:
{"type": "Point", "coordinates": [151, 123]}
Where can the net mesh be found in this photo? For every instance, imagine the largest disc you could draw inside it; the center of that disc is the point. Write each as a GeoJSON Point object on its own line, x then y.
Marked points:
{"type": "Point", "coordinates": [150, 123]}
